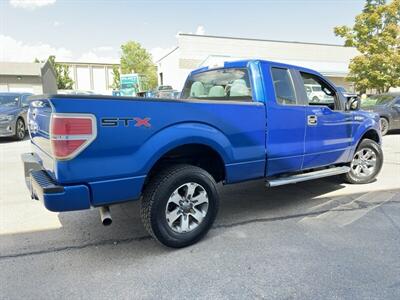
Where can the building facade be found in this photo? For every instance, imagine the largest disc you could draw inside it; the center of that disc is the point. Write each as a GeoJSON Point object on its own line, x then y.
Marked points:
{"type": "Point", "coordinates": [195, 51]}
{"type": "Point", "coordinates": [92, 76]}
{"type": "Point", "coordinates": [36, 78]}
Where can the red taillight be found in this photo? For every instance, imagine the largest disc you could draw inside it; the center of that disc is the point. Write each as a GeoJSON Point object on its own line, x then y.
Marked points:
{"type": "Point", "coordinates": [71, 133]}
{"type": "Point", "coordinates": [71, 126]}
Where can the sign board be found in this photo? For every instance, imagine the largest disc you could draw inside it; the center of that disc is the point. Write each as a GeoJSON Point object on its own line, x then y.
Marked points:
{"type": "Point", "coordinates": [129, 84]}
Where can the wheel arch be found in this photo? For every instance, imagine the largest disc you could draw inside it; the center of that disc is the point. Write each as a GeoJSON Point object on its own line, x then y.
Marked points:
{"type": "Point", "coordinates": [20, 118]}
{"type": "Point", "coordinates": [371, 134]}
{"type": "Point", "coordinates": [197, 154]}
{"type": "Point", "coordinates": [181, 143]}
{"type": "Point", "coordinates": [388, 118]}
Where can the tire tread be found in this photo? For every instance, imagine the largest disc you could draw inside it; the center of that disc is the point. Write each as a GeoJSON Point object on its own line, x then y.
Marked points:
{"type": "Point", "coordinates": [150, 191]}
{"type": "Point", "coordinates": [349, 179]}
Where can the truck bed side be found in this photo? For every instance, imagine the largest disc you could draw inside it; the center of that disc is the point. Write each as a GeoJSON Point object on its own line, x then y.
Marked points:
{"type": "Point", "coordinates": [116, 163]}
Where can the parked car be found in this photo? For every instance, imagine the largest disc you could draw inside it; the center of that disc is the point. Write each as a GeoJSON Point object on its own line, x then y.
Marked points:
{"type": "Point", "coordinates": [13, 110]}
{"type": "Point", "coordinates": [315, 93]}
{"type": "Point", "coordinates": [345, 93]}
{"type": "Point", "coordinates": [247, 120]}
{"type": "Point", "coordinates": [116, 93]}
{"type": "Point", "coordinates": [164, 88]}
{"type": "Point", "coordinates": [75, 92]}
{"type": "Point", "coordinates": [165, 91]}
{"type": "Point", "coordinates": [387, 106]}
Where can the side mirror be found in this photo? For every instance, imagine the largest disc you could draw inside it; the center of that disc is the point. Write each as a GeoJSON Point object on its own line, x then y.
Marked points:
{"type": "Point", "coordinates": [397, 106]}
{"type": "Point", "coordinates": [353, 104]}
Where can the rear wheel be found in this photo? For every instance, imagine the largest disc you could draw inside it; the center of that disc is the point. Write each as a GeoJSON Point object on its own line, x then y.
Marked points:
{"type": "Point", "coordinates": [366, 164]}
{"type": "Point", "coordinates": [180, 205]}
{"type": "Point", "coordinates": [384, 126]}
{"type": "Point", "coordinates": [20, 130]}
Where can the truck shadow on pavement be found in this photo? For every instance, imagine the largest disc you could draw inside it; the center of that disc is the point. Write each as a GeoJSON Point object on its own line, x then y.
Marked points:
{"type": "Point", "coordinates": [240, 204]}
{"type": "Point", "coordinates": [4, 140]}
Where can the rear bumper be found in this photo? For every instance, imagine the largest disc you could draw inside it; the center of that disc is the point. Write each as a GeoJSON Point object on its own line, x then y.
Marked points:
{"type": "Point", "coordinates": [55, 197]}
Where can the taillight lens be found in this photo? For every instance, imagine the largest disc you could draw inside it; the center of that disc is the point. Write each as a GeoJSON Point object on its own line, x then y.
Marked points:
{"type": "Point", "coordinates": [70, 134]}
{"type": "Point", "coordinates": [71, 126]}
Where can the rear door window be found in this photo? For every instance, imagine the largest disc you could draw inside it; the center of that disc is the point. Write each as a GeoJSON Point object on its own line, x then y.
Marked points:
{"type": "Point", "coordinates": [222, 84]}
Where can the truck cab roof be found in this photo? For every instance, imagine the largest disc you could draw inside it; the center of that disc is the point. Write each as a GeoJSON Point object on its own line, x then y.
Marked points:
{"type": "Point", "coordinates": [244, 63]}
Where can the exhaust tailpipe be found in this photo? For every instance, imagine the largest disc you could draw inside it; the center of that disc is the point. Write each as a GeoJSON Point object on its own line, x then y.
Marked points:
{"type": "Point", "coordinates": [105, 215]}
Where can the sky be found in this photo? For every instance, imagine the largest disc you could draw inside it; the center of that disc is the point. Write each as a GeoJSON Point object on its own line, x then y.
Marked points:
{"type": "Point", "coordinates": [90, 30]}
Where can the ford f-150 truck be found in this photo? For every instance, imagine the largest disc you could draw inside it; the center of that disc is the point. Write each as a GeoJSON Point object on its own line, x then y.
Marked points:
{"type": "Point", "coordinates": [245, 120]}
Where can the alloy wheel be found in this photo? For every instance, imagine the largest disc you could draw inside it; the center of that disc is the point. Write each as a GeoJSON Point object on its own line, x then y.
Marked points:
{"type": "Point", "coordinates": [186, 207]}
{"type": "Point", "coordinates": [384, 125]}
{"type": "Point", "coordinates": [364, 163]}
{"type": "Point", "coordinates": [20, 129]}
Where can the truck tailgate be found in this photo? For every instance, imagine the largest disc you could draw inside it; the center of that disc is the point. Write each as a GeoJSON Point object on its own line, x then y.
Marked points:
{"type": "Point", "coordinates": [38, 118]}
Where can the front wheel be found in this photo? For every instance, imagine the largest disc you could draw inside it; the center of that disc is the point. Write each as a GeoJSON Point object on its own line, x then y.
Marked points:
{"type": "Point", "coordinates": [180, 205]}
{"type": "Point", "coordinates": [384, 126]}
{"type": "Point", "coordinates": [20, 130]}
{"type": "Point", "coordinates": [366, 164]}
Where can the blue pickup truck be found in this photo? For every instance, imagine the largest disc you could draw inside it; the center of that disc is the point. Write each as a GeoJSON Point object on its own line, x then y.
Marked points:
{"type": "Point", "coordinates": [245, 120]}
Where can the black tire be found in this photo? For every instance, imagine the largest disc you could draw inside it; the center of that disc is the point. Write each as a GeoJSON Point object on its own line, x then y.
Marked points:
{"type": "Point", "coordinates": [155, 200]}
{"type": "Point", "coordinates": [352, 177]}
{"type": "Point", "coordinates": [384, 124]}
{"type": "Point", "coordinates": [315, 99]}
{"type": "Point", "coordinates": [20, 130]}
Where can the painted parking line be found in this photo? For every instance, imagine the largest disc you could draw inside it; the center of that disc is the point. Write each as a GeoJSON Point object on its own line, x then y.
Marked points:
{"type": "Point", "coordinates": [344, 213]}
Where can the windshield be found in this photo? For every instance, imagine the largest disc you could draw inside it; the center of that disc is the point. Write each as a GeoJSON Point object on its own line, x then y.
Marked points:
{"type": "Point", "coordinates": [9, 100]}
{"type": "Point", "coordinates": [377, 100]}
{"type": "Point", "coordinates": [222, 84]}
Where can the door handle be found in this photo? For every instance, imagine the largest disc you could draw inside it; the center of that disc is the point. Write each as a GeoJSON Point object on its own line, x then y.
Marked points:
{"type": "Point", "coordinates": [312, 120]}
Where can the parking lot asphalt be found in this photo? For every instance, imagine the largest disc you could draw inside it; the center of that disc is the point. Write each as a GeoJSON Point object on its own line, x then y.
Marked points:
{"type": "Point", "coordinates": [321, 239]}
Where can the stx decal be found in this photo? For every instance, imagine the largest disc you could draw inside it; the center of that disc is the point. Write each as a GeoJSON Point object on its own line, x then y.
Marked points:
{"type": "Point", "coordinates": [136, 121]}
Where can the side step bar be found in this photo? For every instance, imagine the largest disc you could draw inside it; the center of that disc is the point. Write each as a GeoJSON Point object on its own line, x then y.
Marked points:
{"type": "Point", "coordinates": [307, 176]}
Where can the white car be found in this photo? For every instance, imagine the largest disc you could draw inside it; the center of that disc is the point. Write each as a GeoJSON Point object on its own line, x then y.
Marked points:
{"type": "Point", "coordinates": [316, 94]}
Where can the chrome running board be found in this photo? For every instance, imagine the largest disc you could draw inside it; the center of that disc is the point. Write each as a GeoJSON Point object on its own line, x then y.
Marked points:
{"type": "Point", "coordinates": [307, 176]}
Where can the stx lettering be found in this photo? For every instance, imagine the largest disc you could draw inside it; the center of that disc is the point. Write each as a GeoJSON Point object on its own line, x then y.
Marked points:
{"type": "Point", "coordinates": [136, 121]}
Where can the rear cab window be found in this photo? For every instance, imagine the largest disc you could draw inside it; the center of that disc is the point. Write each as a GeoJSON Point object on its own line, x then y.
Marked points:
{"type": "Point", "coordinates": [229, 84]}
{"type": "Point", "coordinates": [283, 85]}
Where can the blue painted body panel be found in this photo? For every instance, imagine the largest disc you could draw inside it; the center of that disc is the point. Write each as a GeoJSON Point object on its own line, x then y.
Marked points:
{"type": "Point", "coordinates": [285, 129]}
{"type": "Point", "coordinates": [116, 190]}
{"type": "Point", "coordinates": [363, 122]}
{"type": "Point", "coordinates": [329, 141]}
{"type": "Point", "coordinates": [76, 197]}
{"type": "Point", "coordinates": [254, 139]}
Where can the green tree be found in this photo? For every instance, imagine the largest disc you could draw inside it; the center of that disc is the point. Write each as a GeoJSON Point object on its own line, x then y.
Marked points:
{"type": "Point", "coordinates": [136, 59]}
{"type": "Point", "coordinates": [64, 81]}
{"type": "Point", "coordinates": [376, 35]}
{"type": "Point", "coordinates": [116, 75]}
